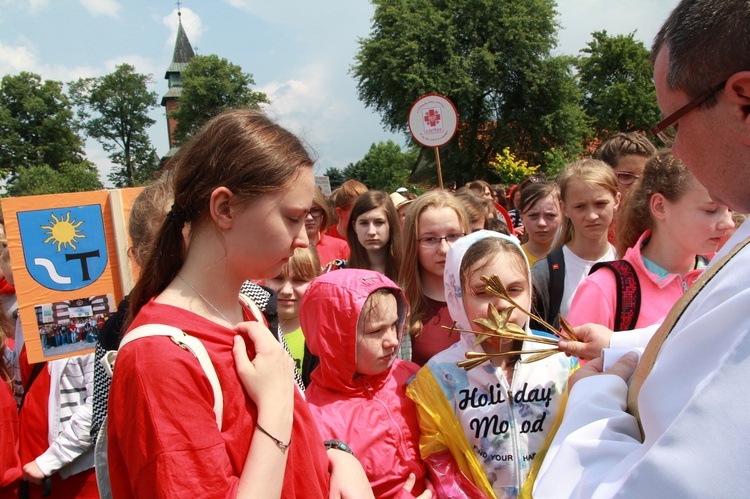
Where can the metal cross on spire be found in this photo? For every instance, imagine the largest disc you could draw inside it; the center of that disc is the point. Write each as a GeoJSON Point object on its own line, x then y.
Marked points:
{"type": "Point", "coordinates": [179, 4]}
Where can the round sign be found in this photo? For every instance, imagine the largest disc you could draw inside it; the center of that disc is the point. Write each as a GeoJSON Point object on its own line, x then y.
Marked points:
{"type": "Point", "coordinates": [433, 120]}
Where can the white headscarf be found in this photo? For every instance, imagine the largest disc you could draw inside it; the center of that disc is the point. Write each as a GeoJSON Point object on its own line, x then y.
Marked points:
{"type": "Point", "coordinates": [452, 276]}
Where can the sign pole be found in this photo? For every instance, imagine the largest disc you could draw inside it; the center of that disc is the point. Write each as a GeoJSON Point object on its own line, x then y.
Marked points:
{"type": "Point", "coordinates": [439, 170]}
{"type": "Point", "coordinates": [433, 121]}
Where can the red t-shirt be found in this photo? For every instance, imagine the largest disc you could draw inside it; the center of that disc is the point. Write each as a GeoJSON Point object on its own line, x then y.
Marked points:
{"type": "Point", "coordinates": [163, 437]}
{"type": "Point", "coordinates": [34, 429]}
{"type": "Point", "coordinates": [334, 232]}
{"type": "Point", "coordinates": [10, 464]}
{"type": "Point", "coordinates": [434, 338]}
{"type": "Point", "coordinates": [330, 248]}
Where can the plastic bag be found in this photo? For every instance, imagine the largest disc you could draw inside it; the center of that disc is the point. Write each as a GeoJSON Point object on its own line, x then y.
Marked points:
{"type": "Point", "coordinates": [447, 478]}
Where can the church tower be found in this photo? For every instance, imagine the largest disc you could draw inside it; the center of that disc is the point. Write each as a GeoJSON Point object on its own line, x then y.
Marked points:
{"type": "Point", "coordinates": [183, 52]}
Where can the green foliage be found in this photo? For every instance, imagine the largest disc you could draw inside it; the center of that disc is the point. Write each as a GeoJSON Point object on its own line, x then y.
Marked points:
{"type": "Point", "coordinates": [511, 169]}
{"type": "Point", "coordinates": [335, 177]}
{"type": "Point", "coordinates": [211, 85]}
{"type": "Point", "coordinates": [617, 82]}
{"type": "Point", "coordinates": [36, 125]}
{"type": "Point", "coordinates": [556, 160]}
{"type": "Point", "coordinates": [355, 171]}
{"type": "Point", "coordinates": [491, 58]}
{"type": "Point", "coordinates": [113, 110]}
{"type": "Point", "coordinates": [384, 167]}
{"type": "Point", "coordinates": [68, 177]}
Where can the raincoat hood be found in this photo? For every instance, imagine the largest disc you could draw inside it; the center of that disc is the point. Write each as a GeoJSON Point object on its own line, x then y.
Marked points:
{"type": "Point", "coordinates": [329, 315]}
{"type": "Point", "coordinates": [452, 278]}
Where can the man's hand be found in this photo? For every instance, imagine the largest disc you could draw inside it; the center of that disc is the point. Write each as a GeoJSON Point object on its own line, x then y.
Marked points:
{"type": "Point", "coordinates": [624, 368]}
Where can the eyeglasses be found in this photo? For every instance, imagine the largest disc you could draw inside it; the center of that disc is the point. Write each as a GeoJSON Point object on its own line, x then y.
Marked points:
{"type": "Point", "coordinates": [433, 242]}
{"type": "Point", "coordinates": [315, 213]}
{"type": "Point", "coordinates": [665, 130]}
{"type": "Point", "coordinates": [626, 178]}
{"type": "Point", "coordinates": [531, 180]}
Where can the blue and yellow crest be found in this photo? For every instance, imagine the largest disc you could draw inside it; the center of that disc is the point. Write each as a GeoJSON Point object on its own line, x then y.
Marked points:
{"type": "Point", "coordinates": [65, 248]}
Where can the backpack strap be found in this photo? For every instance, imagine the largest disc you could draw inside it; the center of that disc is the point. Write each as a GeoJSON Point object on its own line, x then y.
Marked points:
{"type": "Point", "coordinates": [628, 302]}
{"type": "Point", "coordinates": [183, 340]}
{"type": "Point", "coordinates": [556, 264]}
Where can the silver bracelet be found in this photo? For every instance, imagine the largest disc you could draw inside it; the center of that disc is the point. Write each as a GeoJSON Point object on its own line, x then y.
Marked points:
{"type": "Point", "coordinates": [281, 444]}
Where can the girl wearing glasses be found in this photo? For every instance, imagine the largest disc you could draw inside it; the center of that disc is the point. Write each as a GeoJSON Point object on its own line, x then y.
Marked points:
{"type": "Point", "coordinates": [329, 248]}
{"type": "Point", "coordinates": [374, 234]}
{"type": "Point", "coordinates": [435, 221]}
{"type": "Point", "coordinates": [666, 224]}
{"type": "Point", "coordinates": [627, 154]}
{"type": "Point", "coordinates": [589, 198]}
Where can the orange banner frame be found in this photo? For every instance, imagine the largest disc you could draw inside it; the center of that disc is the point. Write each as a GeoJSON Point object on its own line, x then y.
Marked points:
{"type": "Point", "coordinates": [47, 233]}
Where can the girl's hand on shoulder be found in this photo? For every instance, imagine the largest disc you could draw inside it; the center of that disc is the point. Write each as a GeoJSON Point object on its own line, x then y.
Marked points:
{"type": "Point", "coordinates": [269, 377]}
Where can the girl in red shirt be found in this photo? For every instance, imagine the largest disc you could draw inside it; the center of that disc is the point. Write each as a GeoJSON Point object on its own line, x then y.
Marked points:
{"type": "Point", "coordinates": [243, 187]}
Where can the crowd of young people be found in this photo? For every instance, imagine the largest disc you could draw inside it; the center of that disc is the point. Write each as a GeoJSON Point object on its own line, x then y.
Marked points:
{"type": "Point", "coordinates": [375, 312]}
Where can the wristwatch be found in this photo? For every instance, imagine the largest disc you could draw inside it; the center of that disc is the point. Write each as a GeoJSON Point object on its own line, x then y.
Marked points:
{"type": "Point", "coordinates": [338, 444]}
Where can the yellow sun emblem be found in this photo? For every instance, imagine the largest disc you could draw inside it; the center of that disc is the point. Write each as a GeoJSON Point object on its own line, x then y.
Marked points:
{"type": "Point", "coordinates": [63, 231]}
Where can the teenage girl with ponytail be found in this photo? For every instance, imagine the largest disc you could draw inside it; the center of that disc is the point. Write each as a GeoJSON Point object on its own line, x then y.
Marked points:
{"type": "Point", "coordinates": [243, 187]}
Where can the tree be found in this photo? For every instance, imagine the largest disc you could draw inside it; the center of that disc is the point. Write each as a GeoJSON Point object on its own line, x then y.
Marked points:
{"type": "Point", "coordinates": [113, 110]}
{"type": "Point", "coordinates": [512, 170]}
{"type": "Point", "coordinates": [37, 125]}
{"type": "Point", "coordinates": [386, 167]}
{"type": "Point", "coordinates": [491, 58]}
{"type": "Point", "coordinates": [617, 82]}
{"type": "Point", "coordinates": [355, 171]}
{"type": "Point", "coordinates": [211, 85]}
{"type": "Point", "coordinates": [68, 177]}
{"type": "Point", "coordinates": [335, 177]}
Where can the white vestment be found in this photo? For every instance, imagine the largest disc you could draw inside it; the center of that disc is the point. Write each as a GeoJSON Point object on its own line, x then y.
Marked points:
{"type": "Point", "coordinates": [694, 408]}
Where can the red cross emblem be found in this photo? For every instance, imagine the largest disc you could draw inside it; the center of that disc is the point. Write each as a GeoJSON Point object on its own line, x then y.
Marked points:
{"type": "Point", "coordinates": [432, 117]}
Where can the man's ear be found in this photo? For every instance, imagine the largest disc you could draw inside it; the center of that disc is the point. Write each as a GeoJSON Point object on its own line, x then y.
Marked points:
{"type": "Point", "coordinates": [738, 93]}
{"type": "Point", "coordinates": [221, 207]}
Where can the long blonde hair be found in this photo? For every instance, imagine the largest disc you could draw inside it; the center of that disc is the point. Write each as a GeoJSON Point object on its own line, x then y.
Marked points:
{"type": "Point", "coordinates": [593, 172]}
{"type": "Point", "coordinates": [410, 273]}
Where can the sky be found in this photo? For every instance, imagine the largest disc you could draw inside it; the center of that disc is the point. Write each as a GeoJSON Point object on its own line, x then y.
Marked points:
{"type": "Point", "coordinates": [299, 53]}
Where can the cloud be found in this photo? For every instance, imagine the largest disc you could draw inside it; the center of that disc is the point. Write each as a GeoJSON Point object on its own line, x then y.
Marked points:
{"type": "Point", "coordinates": [301, 102]}
{"type": "Point", "coordinates": [141, 64]}
{"type": "Point", "coordinates": [14, 59]}
{"type": "Point", "coordinates": [23, 56]}
{"type": "Point", "coordinates": [191, 23]}
{"type": "Point", "coordinates": [315, 105]}
{"type": "Point", "coordinates": [101, 7]}
{"type": "Point", "coordinates": [37, 5]}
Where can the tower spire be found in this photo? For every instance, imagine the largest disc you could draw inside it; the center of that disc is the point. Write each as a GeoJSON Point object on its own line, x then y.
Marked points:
{"type": "Point", "coordinates": [183, 53]}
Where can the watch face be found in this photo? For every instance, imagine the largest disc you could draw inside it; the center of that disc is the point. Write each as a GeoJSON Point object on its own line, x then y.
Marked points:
{"type": "Point", "coordinates": [338, 444]}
